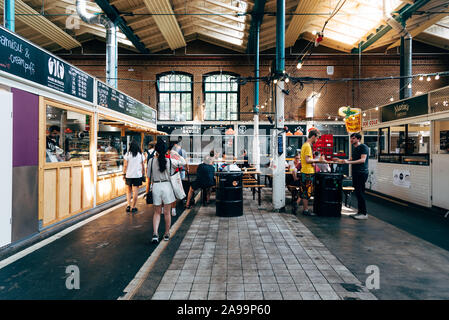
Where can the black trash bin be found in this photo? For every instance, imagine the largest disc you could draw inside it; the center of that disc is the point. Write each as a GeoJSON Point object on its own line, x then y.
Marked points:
{"type": "Point", "coordinates": [229, 194]}
{"type": "Point", "coordinates": [328, 194]}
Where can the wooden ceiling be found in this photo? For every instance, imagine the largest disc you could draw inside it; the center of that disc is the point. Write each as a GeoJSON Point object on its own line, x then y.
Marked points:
{"type": "Point", "coordinates": [171, 24]}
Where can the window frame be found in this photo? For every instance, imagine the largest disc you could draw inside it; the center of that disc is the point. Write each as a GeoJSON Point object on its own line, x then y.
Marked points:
{"type": "Point", "coordinates": [422, 159]}
{"type": "Point", "coordinates": [215, 92]}
{"type": "Point", "coordinates": [170, 92]}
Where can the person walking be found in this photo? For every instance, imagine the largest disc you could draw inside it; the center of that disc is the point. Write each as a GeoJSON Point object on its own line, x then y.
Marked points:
{"type": "Point", "coordinates": [149, 155]}
{"type": "Point", "coordinates": [307, 171]}
{"type": "Point", "coordinates": [133, 170]}
{"type": "Point", "coordinates": [359, 162]}
{"type": "Point", "coordinates": [160, 169]}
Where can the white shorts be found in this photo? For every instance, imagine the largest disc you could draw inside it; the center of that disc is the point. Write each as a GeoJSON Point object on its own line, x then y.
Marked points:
{"type": "Point", "coordinates": [163, 193]}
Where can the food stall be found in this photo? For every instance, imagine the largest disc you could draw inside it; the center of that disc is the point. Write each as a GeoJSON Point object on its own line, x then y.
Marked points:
{"type": "Point", "coordinates": [55, 138]}
{"type": "Point", "coordinates": [412, 152]}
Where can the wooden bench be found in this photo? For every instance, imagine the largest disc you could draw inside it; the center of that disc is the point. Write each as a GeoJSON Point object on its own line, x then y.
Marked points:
{"type": "Point", "coordinates": [348, 191]}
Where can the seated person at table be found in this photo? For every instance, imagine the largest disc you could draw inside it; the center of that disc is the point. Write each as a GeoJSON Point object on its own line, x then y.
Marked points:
{"type": "Point", "coordinates": [320, 167]}
{"type": "Point", "coordinates": [245, 159]}
{"type": "Point", "coordinates": [205, 178]}
{"type": "Point", "coordinates": [294, 167]}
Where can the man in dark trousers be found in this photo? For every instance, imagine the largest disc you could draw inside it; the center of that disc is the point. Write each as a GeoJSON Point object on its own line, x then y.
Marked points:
{"type": "Point", "coordinates": [359, 161]}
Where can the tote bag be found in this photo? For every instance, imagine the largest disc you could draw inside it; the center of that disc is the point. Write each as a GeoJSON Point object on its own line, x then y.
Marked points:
{"type": "Point", "coordinates": [176, 184]}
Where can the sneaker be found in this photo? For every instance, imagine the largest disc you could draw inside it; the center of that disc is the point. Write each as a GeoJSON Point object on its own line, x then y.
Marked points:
{"type": "Point", "coordinates": [173, 212]}
{"type": "Point", "coordinates": [166, 237]}
{"type": "Point", "coordinates": [134, 210]}
{"type": "Point", "coordinates": [155, 238]}
{"type": "Point", "coordinates": [308, 213]}
{"type": "Point", "coordinates": [360, 216]}
{"type": "Point", "coordinates": [128, 208]}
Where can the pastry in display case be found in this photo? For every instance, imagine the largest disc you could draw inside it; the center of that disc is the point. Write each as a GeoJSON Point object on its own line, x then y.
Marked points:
{"type": "Point", "coordinates": [109, 156]}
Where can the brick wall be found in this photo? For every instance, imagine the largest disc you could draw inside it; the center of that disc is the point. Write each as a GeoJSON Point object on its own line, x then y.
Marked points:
{"type": "Point", "coordinates": [140, 83]}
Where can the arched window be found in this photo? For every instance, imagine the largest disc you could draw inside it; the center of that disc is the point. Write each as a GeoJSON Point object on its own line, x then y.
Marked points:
{"type": "Point", "coordinates": [221, 96]}
{"type": "Point", "coordinates": [175, 99]}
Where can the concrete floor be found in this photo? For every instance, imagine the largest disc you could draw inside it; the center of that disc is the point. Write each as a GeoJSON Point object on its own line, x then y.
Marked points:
{"type": "Point", "coordinates": [408, 244]}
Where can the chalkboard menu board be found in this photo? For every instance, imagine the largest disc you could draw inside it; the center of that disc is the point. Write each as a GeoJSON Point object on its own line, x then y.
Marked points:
{"type": "Point", "coordinates": [115, 100]}
{"type": "Point", "coordinates": [444, 140]}
{"type": "Point", "coordinates": [25, 60]}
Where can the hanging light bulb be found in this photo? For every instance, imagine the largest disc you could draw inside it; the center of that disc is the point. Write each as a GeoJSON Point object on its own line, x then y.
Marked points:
{"type": "Point", "coordinates": [286, 80]}
{"type": "Point", "coordinates": [336, 118]}
{"type": "Point", "coordinates": [428, 78]}
{"type": "Point", "coordinates": [421, 78]}
{"type": "Point", "coordinates": [409, 85]}
{"type": "Point", "coordinates": [364, 114]}
{"type": "Point", "coordinates": [299, 65]}
{"type": "Point", "coordinates": [275, 81]}
{"type": "Point", "coordinates": [329, 117]}
{"type": "Point", "coordinates": [377, 108]}
{"type": "Point", "coordinates": [437, 77]}
{"type": "Point", "coordinates": [391, 99]}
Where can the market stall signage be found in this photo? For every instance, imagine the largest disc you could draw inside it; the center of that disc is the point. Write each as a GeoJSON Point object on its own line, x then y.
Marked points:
{"type": "Point", "coordinates": [25, 60]}
{"type": "Point", "coordinates": [370, 123]}
{"type": "Point", "coordinates": [407, 108]}
{"type": "Point", "coordinates": [353, 118]}
{"type": "Point", "coordinates": [113, 99]}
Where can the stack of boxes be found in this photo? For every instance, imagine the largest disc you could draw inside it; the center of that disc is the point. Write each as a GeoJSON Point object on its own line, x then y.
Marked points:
{"type": "Point", "coordinates": [325, 145]}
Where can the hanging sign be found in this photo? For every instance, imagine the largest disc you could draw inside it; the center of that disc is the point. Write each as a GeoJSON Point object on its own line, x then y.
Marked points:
{"type": "Point", "coordinates": [115, 100]}
{"type": "Point", "coordinates": [28, 61]}
{"type": "Point", "coordinates": [412, 107]}
{"type": "Point", "coordinates": [353, 118]}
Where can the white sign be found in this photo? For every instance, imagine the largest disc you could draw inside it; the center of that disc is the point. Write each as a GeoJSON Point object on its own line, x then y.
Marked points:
{"type": "Point", "coordinates": [369, 123]}
{"type": "Point", "coordinates": [401, 178]}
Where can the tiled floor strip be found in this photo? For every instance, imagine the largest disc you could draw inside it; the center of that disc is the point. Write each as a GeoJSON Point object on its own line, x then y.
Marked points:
{"type": "Point", "coordinates": [260, 255]}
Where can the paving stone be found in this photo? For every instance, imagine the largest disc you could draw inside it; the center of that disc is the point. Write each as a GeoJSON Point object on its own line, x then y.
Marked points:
{"type": "Point", "coordinates": [253, 295]}
{"type": "Point", "coordinates": [180, 295]}
{"type": "Point", "coordinates": [162, 295]}
{"type": "Point", "coordinates": [198, 295]}
{"type": "Point", "coordinates": [310, 295]}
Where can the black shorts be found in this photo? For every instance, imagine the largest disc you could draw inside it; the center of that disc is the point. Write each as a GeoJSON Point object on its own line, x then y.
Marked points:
{"type": "Point", "coordinates": [137, 182]}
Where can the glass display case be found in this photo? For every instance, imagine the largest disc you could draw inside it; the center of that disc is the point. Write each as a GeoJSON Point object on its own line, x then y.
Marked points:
{"type": "Point", "coordinates": [67, 135]}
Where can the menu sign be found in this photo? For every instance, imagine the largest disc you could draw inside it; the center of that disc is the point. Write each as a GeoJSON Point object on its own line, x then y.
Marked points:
{"type": "Point", "coordinates": [444, 140]}
{"type": "Point", "coordinates": [25, 60]}
{"type": "Point", "coordinates": [404, 109]}
{"type": "Point", "coordinates": [115, 100]}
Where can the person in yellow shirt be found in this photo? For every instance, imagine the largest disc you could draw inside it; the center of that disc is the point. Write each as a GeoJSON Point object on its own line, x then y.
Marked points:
{"type": "Point", "coordinates": [307, 171]}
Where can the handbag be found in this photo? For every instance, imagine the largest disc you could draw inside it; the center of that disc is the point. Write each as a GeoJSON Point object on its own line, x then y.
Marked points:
{"type": "Point", "coordinates": [149, 195]}
{"type": "Point", "coordinates": [176, 183]}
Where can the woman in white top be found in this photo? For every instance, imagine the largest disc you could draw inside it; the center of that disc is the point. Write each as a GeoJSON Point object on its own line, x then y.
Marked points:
{"type": "Point", "coordinates": [159, 172]}
{"type": "Point", "coordinates": [133, 170]}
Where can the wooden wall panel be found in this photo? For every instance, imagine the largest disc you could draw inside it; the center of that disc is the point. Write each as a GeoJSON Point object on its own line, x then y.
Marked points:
{"type": "Point", "coordinates": [76, 199]}
{"type": "Point", "coordinates": [64, 193]}
{"type": "Point", "coordinates": [50, 192]}
{"type": "Point", "coordinates": [88, 189]}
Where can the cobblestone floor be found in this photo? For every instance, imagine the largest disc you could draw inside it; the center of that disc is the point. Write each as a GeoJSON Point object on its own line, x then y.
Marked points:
{"type": "Point", "coordinates": [260, 255]}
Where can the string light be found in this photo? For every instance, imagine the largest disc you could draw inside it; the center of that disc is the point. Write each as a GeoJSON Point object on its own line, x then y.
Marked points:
{"type": "Point", "coordinates": [377, 108]}
{"type": "Point", "coordinates": [428, 78]}
{"type": "Point", "coordinates": [299, 65]}
{"type": "Point", "coordinates": [391, 99]}
{"type": "Point", "coordinates": [421, 78]}
{"type": "Point", "coordinates": [437, 77]}
{"type": "Point", "coordinates": [286, 80]}
{"type": "Point", "coordinates": [409, 85]}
